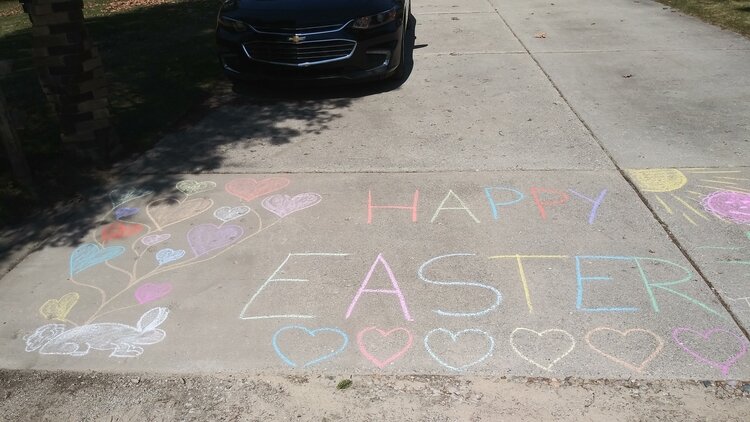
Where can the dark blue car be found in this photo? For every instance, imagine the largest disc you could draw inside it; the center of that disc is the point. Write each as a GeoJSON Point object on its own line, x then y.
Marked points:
{"type": "Point", "coordinates": [312, 39]}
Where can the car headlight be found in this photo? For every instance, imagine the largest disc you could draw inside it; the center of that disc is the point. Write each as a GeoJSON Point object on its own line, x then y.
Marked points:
{"type": "Point", "coordinates": [232, 24]}
{"type": "Point", "coordinates": [376, 20]}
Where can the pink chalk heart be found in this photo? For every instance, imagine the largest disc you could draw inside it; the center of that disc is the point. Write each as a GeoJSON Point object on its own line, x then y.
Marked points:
{"type": "Point", "coordinates": [205, 238]}
{"type": "Point", "coordinates": [248, 188]}
{"type": "Point", "coordinates": [153, 239]}
{"type": "Point", "coordinates": [706, 336]}
{"type": "Point", "coordinates": [283, 205]}
{"type": "Point", "coordinates": [150, 292]}
{"type": "Point", "coordinates": [383, 334]}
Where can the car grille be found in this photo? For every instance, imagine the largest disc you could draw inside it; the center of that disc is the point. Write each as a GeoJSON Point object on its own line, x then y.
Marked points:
{"type": "Point", "coordinates": [297, 30]}
{"type": "Point", "coordinates": [299, 54]}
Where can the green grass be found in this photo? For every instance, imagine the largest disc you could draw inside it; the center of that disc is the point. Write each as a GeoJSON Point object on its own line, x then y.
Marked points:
{"type": "Point", "coordinates": [159, 60]}
{"type": "Point", "coordinates": [730, 14]}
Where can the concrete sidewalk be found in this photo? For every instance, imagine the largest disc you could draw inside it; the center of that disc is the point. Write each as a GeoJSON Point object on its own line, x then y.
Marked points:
{"type": "Point", "coordinates": [576, 204]}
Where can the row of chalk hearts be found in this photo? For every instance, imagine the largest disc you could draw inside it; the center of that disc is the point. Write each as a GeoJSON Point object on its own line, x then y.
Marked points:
{"type": "Point", "coordinates": [677, 336]}
{"type": "Point", "coordinates": [246, 188]}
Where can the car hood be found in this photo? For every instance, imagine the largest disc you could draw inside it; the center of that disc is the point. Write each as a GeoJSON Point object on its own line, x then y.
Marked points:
{"type": "Point", "coordinates": [302, 13]}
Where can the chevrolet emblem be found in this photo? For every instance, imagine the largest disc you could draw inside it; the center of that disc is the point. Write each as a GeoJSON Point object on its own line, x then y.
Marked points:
{"type": "Point", "coordinates": [296, 39]}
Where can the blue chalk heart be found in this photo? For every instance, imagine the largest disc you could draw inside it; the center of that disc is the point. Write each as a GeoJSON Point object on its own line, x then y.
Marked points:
{"type": "Point", "coordinates": [168, 255]}
{"type": "Point", "coordinates": [121, 213]}
{"type": "Point", "coordinates": [311, 333]}
{"type": "Point", "coordinates": [89, 254]}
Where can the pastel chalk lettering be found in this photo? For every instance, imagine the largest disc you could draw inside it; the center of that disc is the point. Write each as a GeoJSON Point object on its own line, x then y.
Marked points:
{"type": "Point", "coordinates": [89, 254]}
{"type": "Point", "coordinates": [382, 363]}
{"type": "Point", "coordinates": [454, 337]}
{"type": "Point", "coordinates": [413, 207]}
{"type": "Point", "coordinates": [459, 201]}
{"type": "Point", "coordinates": [490, 193]}
{"type": "Point", "coordinates": [596, 203]}
{"type": "Point", "coordinates": [581, 279]}
{"type": "Point", "coordinates": [205, 238]}
{"type": "Point", "coordinates": [249, 188]}
{"type": "Point", "coordinates": [272, 279]}
{"type": "Point", "coordinates": [706, 336]}
{"type": "Point", "coordinates": [558, 198]}
{"type": "Point", "coordinates": [395, 291]}
{"type": "Point", "coordinates": [522, 273]}
{"type": "Point", "coordinates": [495, 301]}
{"type": "Point", "coordinates": [311, 333]}
{"type": "Point", "coordinates": [283, 205]}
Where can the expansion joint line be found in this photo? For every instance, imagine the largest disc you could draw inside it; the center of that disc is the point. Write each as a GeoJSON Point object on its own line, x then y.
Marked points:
{"type": "Point", "coordinates": [630, 182]}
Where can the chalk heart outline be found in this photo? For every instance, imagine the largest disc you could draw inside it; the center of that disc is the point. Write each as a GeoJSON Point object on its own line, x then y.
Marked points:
{"type": "Point", "coordinates": [59, 308]}
{"type": "Point", "coordinates": [249, 188]}
{"type": "Point", "coordinates": [383, 363]}
{"type": "Point", "coordinates": [121, 196]}
{"type": "Point", "coordinates": [191, 187]}
{"type": "Point", "coordinates": [540, 335]}
{"type": "Point", "coordinates": [153, 239]}
{"type": "Point", "coordinates": [613, 358]}
{"type": "Point", "coordinates": [90, 254]}
{"type": "Point", "coordinates": [125, 212]}
{"type": "Point", "coordinates": [724, 366]}
{"type": "Point", "coordinates": [226, 214]}
{"type": "Point", "coordinates": [205, 238]}
{"type": "Point", "coordinates": [118, 230]}
{"type": "Point", "coordinates": [150, 292]}
{"type": "Point", "coordinates": [167, 211]}
{"type": "Point", "coordinates": [167, 255]}
{"type": "Point", "coordinates": [454, 337]}
{"type": "Point", "coordinates": [311, 333]}
{"type": "Point", "coordinates": [283, 205]}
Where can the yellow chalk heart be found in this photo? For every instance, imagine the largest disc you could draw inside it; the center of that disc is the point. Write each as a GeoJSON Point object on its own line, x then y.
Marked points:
{"type": "Point", "coordinates": [59, 308]}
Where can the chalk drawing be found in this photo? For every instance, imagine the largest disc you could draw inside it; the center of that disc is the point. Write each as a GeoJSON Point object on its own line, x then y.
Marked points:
{"type": "Point", "coordinates": [496, 292]}
{"type": "Point", "coordinates": [463, 207]}
{"type": "Point", "coordinates": [283, 205]}
{"type": "Point", "coordinates": [658, 180]}
{"type": "Point", "coordinates": [389, 360]}
{"type": "Point", "coordinates": [311, 333]}
{"type": "Point", "coordinates": [123, 340]}
{"type": "Point", "coordinates": [561, 198]}
{"type": "Point", "coordinates": [706, 335]}
{"type": "Point", "coordinates": [494, 204]}
{"type": "Point", "coordinates": [58, 309]}
{"type": "Point", "coordinates": [273, 279]}
{"type": "Point", "coordinates": [231, 213]}
{"type": "Point", "coordinates": [117, 230]}
{"type": "Point", "coordinates": [125, 212]}
{"type": "Point", "coordinates": [395, 291]}
{"type": "Point", "coordinates": [153, 239]}
{"type": "Point", "coordinates": [192, 187]}
{"type": "Point", "coordinates": [167, 255]}
{"type": "Point", "coordinates": [454, 337]}
{"type": "Point", "coordinates": [89, 254]}
{"type": "Point", "coordinates": [121, 196]}
{"type": "Point", "coordinates": [519, 261]}
{"type": "Point", "coordinates": [248, 188]}
{"type": "Point", "coordinates": [728, 205]}
{"type": "Point", "coordinates": [630, 365]}
{"type": "Point", "coordinates": [413, 207]}
{"type": "Point", "coordinates": [205, 238]}
{"type": "Point", "coordinates": [596, 203]}
{"type": "Point", "coordinates": [165, 212]}
{"type": "Point", "coordinates": [539, 336]}
{"type": "Point", "coordinates": [150, 292]}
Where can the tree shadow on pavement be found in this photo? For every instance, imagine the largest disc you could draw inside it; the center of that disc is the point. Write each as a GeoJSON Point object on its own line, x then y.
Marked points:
{"type": "Point", "coordinates": [141, 80]}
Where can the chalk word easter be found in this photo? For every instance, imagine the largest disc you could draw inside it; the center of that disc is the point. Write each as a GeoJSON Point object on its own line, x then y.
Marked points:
{"type": "Point", "coordinates": [483, 344]}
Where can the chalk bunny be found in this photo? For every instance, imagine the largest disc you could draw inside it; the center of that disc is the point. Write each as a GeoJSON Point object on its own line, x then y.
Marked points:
{"type": "Point", "coordinates": [123, 340]}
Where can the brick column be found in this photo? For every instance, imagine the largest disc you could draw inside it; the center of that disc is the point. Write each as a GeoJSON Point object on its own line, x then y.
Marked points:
{"type": "Point", "coordinates": [72, 77]}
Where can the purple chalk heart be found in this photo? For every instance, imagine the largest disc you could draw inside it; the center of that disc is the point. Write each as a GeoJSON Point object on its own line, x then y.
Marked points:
{"type": "Point", "coordinates": [205, 238]}
{"type": "Point", "coordinates": [121, 213]}
{"type": "Point", "coordinates": [150, 292]}
{"type": "Point", "coordinates": [153, 239]}
{"type": "Point", "coordinates": [283, 205]}
{"type": "Point", "coordinates": [706, 336]}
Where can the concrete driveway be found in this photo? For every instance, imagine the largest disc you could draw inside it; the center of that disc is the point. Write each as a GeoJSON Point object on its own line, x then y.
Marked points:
{"type": "Point", "coordinates": [560, 188]}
